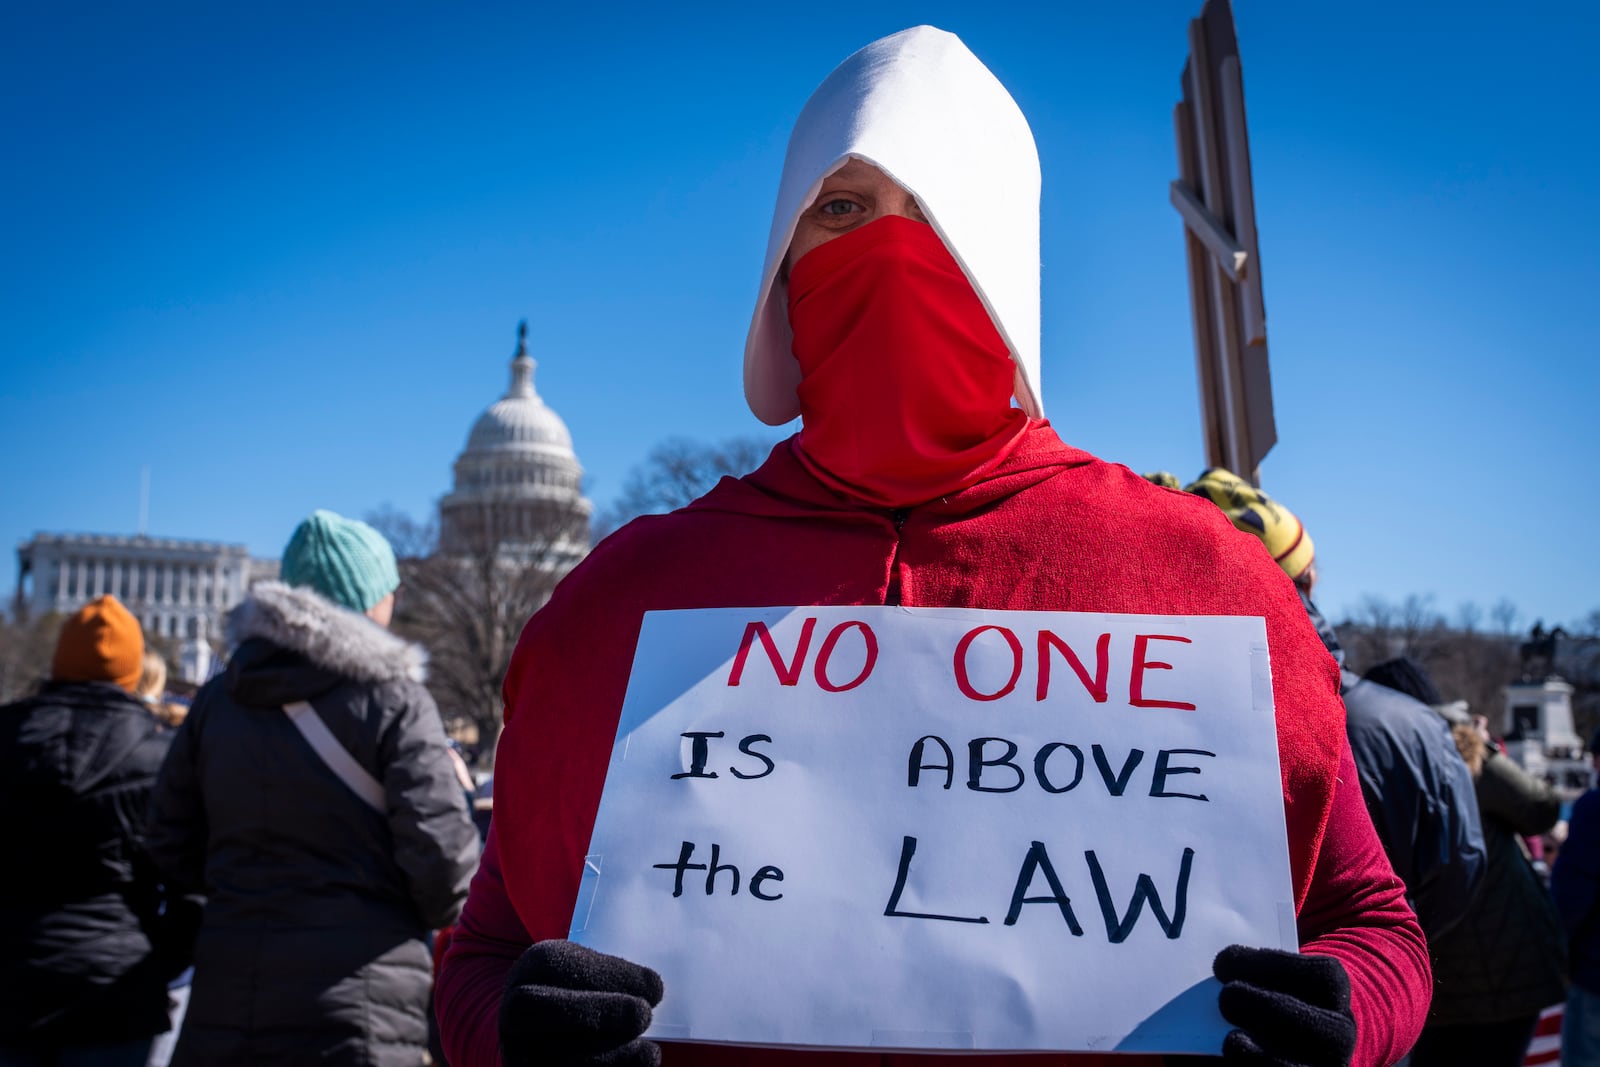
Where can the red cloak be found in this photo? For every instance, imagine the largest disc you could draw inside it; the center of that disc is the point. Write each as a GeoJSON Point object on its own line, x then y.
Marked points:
{"type": "Point", "coordinates": [1052, 528]}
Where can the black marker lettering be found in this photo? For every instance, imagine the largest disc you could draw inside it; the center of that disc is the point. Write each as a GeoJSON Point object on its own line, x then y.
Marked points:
{"type": "Point", "coordinates": [698, 756]}
{"type": "Point", "coordinates": [908, 848]}
{"type": "Point", "coordinates": [1117, 930]}
{"type": "Point", "coordinates": [744, 746]}
{"type": "Point", "coordinates": [976, 763]}
{"type": "Point", "coordinates": [1158, 781]}
{"type": "Point", "coordinates": [682, 865]}
{"type": "Point", "coordinates": [916, 766]}
{"type": "Point", "coordinates": [761, 876]}
{"type": "Point", "coordinates": [1039, 860]}
{"type": "Point", "coordinates": [1115, 784]}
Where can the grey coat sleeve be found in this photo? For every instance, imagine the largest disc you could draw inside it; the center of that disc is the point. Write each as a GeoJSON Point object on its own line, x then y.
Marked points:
{"type": "Point", "coordinates": [435, 842]}
{"type": "Point", "coordinates": [1422, 801]}
{"type": "Point", "coordinates": [176, 829]}
{"type": "Point", "coordinates": [1449, 842]}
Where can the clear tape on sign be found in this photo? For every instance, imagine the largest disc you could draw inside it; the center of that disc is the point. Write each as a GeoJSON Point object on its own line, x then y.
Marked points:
{"type": "Point", "coordinates": [586, 888]}
{"type": "Point", "coordinates": [922, 1039]}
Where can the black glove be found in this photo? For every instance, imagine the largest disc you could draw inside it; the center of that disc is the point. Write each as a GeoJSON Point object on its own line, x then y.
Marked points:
{"type": "Point", "coordinates": [1290, 1010]}
{"type": "Point", "coordinates": [565, 1004]}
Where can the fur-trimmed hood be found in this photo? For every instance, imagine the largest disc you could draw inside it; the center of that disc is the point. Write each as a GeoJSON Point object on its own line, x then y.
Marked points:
{"type": "Point", "coordinates": [334, 638]}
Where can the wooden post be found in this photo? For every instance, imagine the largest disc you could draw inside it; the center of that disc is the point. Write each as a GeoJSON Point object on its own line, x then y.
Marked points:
{"type": "Point", "coordinates": [1215, 198]}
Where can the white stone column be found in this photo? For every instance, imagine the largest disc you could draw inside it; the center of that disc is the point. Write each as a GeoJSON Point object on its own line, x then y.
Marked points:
{"type": "Point", "coordinates": [61, 579]}
{"type": "Point", "coordinates": [168, 593]}
{"type": "Point", "coordinates": [115, 588]}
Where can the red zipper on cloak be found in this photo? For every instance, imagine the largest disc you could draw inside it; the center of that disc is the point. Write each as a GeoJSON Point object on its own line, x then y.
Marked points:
{"type": "Point", "coordinates": [891, 597]}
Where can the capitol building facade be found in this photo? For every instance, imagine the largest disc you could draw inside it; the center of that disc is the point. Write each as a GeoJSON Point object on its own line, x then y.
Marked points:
{"type": "Point", "coordinates": [518, 490]}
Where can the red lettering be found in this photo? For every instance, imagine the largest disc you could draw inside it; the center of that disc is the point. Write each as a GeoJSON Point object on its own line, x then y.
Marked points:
{"type": "Point", "coordinates": [965, 683]}
{"type": "Point", "coordinates": [828, 644]}
{"type": "Point", "coordinates": [788, 673]}
{"type": "Point", "coordinates": [1102, 664]}
{"type": "Point", "coordinates": [1136, 695]}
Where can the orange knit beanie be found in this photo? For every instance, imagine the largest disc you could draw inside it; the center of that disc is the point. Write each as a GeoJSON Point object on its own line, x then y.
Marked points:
{"type": "Point", "coordinates": [101, 643]}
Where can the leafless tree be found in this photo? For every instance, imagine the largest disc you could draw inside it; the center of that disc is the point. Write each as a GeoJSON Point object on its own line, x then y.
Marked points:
{"type": "Point", "coordinates": [26, 647]}
{"type": "Point", "coordinates": [467, 607]}
{"type": "Point", "coordinates": [1589, 626]}
{"type": "Point", "coordinates": [1504, 616]}
{"type": "Point", "coordinates": [678, 471]}
{"type": "Point", "coordinates": [410, 538]}
{"type": "Point", "coordinates": [1382, 629]}
{"type": "Point", "coordinates": [1465, 662]}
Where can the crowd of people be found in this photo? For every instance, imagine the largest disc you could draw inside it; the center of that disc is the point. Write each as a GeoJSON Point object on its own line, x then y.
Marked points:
{"type": "Point", "coordinates": [271, 870]}
{"type": "Point", "coordinates": [276, 861]}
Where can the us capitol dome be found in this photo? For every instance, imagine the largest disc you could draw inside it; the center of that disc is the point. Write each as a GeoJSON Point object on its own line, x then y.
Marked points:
{"type": "Point", "coordinates": [518, 483]}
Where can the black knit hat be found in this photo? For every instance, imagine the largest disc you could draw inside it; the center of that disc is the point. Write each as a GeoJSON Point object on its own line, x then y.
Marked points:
{"type": "Point", "coordinates": [1408, 676]}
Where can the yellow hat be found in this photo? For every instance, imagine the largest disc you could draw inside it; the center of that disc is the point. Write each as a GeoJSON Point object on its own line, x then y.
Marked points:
{"type": "Point", "coordinates": [1165, 479]}
{"type": "Point", "coordinates": [1254, 512]}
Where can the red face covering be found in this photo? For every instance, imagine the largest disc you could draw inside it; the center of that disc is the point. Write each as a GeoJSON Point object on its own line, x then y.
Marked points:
{"type": "Point", "coordinates": [905, 388]}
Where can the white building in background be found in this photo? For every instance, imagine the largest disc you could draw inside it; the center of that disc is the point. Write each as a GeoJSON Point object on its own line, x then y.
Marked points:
{"type": "Point", "coordinates": [1540, 735]}
{"type": "Point", "coordinates": [518, 485]}
{"type": "Point", "coordinates": [177, 589]}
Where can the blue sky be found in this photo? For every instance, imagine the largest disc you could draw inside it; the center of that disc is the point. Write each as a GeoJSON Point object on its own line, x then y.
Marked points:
{"type": "Point", "coordinates": [277, 253]}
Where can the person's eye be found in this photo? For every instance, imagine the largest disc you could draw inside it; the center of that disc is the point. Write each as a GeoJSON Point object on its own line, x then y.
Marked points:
{"type": "Point", "coordinates": [839, 206]}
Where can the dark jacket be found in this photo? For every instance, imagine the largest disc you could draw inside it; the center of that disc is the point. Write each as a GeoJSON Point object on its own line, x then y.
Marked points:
{"type": "Point", "coordinates": [1421, 798]}
{"type": "Point", "coordinates": [318, 906]}
{"type": "Point", "coordinates": [1505, 959]}
{"type": "Point", "coordinates": [79, 901]}
{"type": "Point", "coordinates": [1575, 883]}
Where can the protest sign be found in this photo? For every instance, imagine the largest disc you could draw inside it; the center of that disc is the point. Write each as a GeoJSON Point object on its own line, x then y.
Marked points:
{"type": "Point", "coordinates": [921, 828]}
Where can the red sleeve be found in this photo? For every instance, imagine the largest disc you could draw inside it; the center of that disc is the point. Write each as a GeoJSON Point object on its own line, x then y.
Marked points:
{"type": "Point", "coordinates": [1356, 912]}
{"type": "Point", "coordinates": [488, 940]}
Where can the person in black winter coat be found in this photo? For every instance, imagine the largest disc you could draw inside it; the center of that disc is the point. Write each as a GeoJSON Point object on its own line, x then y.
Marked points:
{"type": "Point", "coordinates": [86, 945]}
{"type": "Point", "coordinates": [319, 902]}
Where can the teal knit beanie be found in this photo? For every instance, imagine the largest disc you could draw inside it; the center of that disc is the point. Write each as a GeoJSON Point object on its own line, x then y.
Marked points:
{"type": "Point", "coordinates": [346, 561]}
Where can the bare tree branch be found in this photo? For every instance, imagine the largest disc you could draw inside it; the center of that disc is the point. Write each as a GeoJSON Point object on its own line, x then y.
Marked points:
{"type": "Point", "coordinates": [679, 471]}
{"type": "Point", "coordinates": [468, 606]}
{"type": "Point", "coordinates": [409, 537]}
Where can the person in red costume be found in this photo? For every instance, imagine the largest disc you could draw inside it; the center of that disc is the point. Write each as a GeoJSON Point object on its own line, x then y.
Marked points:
{"type": "Point", "coordinates": [898, 318]}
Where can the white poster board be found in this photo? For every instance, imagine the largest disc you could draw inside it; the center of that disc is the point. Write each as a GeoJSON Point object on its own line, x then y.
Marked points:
{"type": "Point", "coordinates": [914, 828]}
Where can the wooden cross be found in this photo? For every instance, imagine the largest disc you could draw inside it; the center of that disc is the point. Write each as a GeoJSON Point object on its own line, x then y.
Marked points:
{"type": "Point", "coordinates": [1214, 195]}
